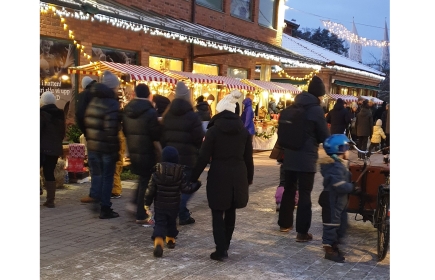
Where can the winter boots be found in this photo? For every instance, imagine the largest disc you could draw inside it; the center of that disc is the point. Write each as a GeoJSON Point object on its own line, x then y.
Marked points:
{"type": "Point", "coordinates": [108, 213]}
{"type": "Point", "coordinates": [333, 254]}
{"type": "Point", "coordinates": [50, 187]}
{"type": "Point", "coordinates": [170, 242]}
{"type": "Point", "coordinates": [158, 247]}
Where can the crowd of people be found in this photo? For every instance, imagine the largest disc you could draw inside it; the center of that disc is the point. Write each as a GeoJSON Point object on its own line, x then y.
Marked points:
{"type": "Point", "coordinates": [170, 143]}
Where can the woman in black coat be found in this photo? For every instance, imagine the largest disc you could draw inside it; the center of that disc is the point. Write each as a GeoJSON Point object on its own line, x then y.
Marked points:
{"type": "Point", "coordinates": [228, 148]}
{"type": "Point", "coordinates": [364, 127]}
{"type": "Point", "coordinates": [338, 117]}
{"type": "Point", "coordinates": [52, 132]}
{"type": "Point", "coordinates": [203, 109]}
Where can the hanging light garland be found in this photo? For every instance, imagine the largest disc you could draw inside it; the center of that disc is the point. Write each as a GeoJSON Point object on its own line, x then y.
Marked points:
{"type": "Point", "coordinates": [343, 33]}
{"type": "Point", "coordinates": [307, 77]}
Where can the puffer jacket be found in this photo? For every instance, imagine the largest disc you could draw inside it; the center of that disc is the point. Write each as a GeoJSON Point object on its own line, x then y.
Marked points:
{"type": "Point", "coordinates": [141, 128]}
{"type": "Point", "coordinates": [248, 116]}
{"type": "Point", "coordinates": [336, 187]}
{"type": "Point", "coordinates": [182, 129]}
{"type": "Point", "coordinates": [83, 100]}
{"type": "Point", "coordinates": [364, 122]}
{"type": "Point", "coordinates": [339, 118]}
{"type": "Point", "coordinates": [304, 159]}
{"type": "Point", "coordinates": [378, 133]}
{"type": "Point", "coordinates": [52, 130]}
{"type": "Point", "coordinates": [102, 120]}
{"type": "Point", "coordinates": [166, 183]}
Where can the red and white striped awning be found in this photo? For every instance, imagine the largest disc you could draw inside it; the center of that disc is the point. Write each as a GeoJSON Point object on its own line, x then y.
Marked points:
{"type": "Point", "coordinates": [376, 100]}
{"type": "Point", "coordinates": [346, 98]}
{"type": "Point", "coordinates": [193, 77]}
{"type": "Point", "coordinates": [136, 72]}
{"type": "Point", "coordinates": [233, 83]}
{"type": "Point", "coordinates": [263, 85]}
{"type": "Point", "coordinates": [289, 87]}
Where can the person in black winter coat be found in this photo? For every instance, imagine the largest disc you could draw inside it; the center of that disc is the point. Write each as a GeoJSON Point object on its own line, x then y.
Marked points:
{"type": "Point", "coordinates": [102, 123]}
{"type": "Point", "coordinates": [379, 112]}
{"type": "Point", "coordinates": [52, 132]}
{"type": "Point", "coordinates": [84, 98]}
{"type": "Point", "coordinates": [182, 129]}
{"type": "Point", "coordinates": [203, 109]}
{"type": "Point", "coordinates": [301, 165]}
{"type": "Point", "coordinates": [161, 103]}
{"type": "Point", "coordinates": [142, 132]}
{"type": "Point", "coordinates": [165, 185]}
{"type": "Point", "coordinates": [338, 117]}
{"type": "Point", "coordinates": [364, 127]}
{"type": "Point", "coordinates": [229, 146]}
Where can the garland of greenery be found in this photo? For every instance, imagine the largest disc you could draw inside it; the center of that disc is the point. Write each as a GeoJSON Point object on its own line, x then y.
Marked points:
{"type": "Point", "coordinates": [266, 135]}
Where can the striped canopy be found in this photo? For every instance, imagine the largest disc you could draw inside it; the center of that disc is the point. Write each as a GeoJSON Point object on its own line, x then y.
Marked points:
{"type": "Point", "coordinates": [193, 77]}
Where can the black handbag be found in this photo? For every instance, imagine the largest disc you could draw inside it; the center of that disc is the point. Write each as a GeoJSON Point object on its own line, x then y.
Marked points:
{"type": "Point", "coordinates": [277, 152]}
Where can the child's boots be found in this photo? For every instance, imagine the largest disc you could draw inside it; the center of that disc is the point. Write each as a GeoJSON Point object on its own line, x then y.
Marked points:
{"type": "Point", "coordinates": [333, 254]}
{"type": "Point", "coordinates": [158, 247]}
{"type": "Point", "coordinates": [170, 242]}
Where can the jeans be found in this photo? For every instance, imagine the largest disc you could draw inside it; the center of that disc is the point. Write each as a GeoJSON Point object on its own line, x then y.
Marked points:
{"type": "Point", "coordinates": [223, 228]}
{"type": "Point", "coordinates": [303, 181]}
{"type": "Point", "coordinates": [102, 167]}
{"type": "Point", "coordinates": [165, 223]}
{"type": "Point", "coordinates": [184, 213]}
{"type": "Point", "coordinates": [139, 198]}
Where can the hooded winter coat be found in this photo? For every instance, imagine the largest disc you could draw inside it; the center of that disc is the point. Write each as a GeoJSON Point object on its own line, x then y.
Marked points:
{"type": "Point", "coordinates": [364, 122]}
{"type": "Point", "coordinates": [203, 111]}
{"type": "Point", "coordinates": [247, 116]}
{"type": "Point", "coordinates": [336, 187]}
{"type": "Point", "coordinates": [52, 130]}
{"type": "Point", "coordinates": [141, 128]}
{"type": "Point", "coordinates": [166, 183]}
{"type": "Point", "coordinates": [304, 159]}
{"type": "Point", "coordinates": [378, 133]}
{"type": "Point", "coordinates": [380, 111]}
{"type": "Point", "coordinates": [339, 118]}
{"type": "Point", "coordinates": [102, 120]}
{"type": "Point", "coordinates": [229, 146]}
{"type": "Point", "coordinates": [182, 130]}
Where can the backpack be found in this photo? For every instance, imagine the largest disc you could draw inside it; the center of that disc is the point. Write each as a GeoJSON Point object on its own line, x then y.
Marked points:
{"type": "Point", "coordinates": [292, 127]}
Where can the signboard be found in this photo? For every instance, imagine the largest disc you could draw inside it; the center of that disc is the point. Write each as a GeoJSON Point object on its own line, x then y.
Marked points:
{"type": "Point", "coordinates": [55, 58]}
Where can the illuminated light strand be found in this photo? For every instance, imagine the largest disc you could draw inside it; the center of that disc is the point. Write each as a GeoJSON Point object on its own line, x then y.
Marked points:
{"type": "Point", "coordinates": [359, 72]}
{"type": "Point", "coordinates": [307, 77]}
{"type": "Point", "coordinates": [128, 25]}
{"type": "Point", "coordinates": [343, 33]}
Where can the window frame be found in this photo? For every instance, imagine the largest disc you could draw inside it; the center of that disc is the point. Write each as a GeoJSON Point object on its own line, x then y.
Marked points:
{"type": "Point", "coordinates": [274, 24]}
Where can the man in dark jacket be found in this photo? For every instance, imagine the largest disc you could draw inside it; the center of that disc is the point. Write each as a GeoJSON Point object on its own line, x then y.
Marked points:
{"type": "Point", "coordinates": [84, 98]}
{"type": "Point", "coordinates": [338, 117]}
{"type": "Point", "coordinates": [142, 131]}
{"type": "Point", "coordinates": [183, 130]}
{"type": "Point", "coordinates": [102, 123]}
{"type": "Point", "coordinates": [229, 146]}
{"type": "Point", "coordinates": [364, 127]}
{"type": "Point", "coordinates": [203, 109]}
{"type": "Point", "coordinates": [300, 165]}
{"type": "Point", "coordinates": [161, 103]}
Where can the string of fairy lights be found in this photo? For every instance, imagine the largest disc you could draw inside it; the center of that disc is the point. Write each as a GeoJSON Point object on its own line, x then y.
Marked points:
{"type": "Point", "coordinates": [343, 33]}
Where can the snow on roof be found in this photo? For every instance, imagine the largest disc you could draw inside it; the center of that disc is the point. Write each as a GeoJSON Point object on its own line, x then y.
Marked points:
{"type": "Point", "coordinates": [313, 51]}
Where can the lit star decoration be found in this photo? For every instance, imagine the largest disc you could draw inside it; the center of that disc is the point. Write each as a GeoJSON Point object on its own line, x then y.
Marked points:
{"type": "Point", "coordinates": [343, 33]}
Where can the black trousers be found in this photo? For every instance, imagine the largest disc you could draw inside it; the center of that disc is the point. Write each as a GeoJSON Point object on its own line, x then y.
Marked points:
{"type": "Point", "coordinates": [303, 181]}
{"type": "Point", "coordinates": [223, 228]}
{"type": "Point", "coordinates": [362, 144]}
{"type": "Point", "coordinates": [48, 164]}
{"type": "Point", "coordinates": [139, 196]}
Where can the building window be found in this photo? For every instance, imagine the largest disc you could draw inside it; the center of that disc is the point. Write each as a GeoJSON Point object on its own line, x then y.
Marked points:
{"type": "Point", "coordinates": [113, 55]}
{"type": "Point", "coordinates": [213, 4]}
{"type": "Point", "coordinates": [163, 64]}
{"type": "Point", "coordinates": [241, 9]}
{"type": "Point", "coordinates": [238, 73]}
{"type": "Point", "coordinates": [205, 69]}
{"type": "Point", "coordinates": [267, 13]}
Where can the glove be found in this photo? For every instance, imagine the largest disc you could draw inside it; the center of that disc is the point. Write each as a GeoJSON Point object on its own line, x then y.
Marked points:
{"type": "Point", "coordinates": [356, 188]}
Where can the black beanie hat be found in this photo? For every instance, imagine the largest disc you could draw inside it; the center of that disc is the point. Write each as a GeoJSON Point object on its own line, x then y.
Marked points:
{"type": "Point", "coordinates": [142, 91]}
{"type": "Point", "coordinates": [316, 87]}
{"type": "Point", "coordinates": [170, 154]}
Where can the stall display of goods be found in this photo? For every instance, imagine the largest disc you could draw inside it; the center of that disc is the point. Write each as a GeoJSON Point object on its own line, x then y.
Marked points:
{"type": "Point", "coordinates": [76, 158]}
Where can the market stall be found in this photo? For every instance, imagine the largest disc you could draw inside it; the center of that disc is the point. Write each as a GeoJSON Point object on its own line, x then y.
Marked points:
{"type": "Point", "coordinates": [376, 100]}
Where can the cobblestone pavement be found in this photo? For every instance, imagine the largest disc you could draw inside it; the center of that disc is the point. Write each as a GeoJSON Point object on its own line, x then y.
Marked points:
{"type": "Point", "coordinates": [76, 244]}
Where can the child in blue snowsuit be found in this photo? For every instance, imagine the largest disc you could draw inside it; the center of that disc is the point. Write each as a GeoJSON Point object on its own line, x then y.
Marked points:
{"type": "Point", "coordinates": [334, 197]}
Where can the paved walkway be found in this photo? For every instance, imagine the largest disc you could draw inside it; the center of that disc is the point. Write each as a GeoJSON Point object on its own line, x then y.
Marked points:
{"type": "Point", "coordinates": [76, 244]}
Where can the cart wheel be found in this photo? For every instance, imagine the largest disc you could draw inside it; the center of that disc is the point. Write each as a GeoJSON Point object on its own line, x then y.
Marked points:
{"type": "Point", "coordinates": [384, 225]}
